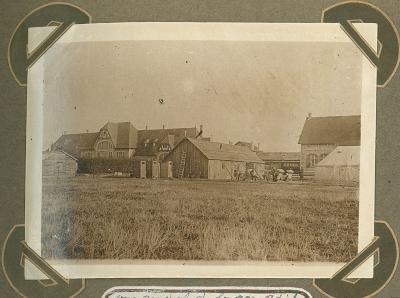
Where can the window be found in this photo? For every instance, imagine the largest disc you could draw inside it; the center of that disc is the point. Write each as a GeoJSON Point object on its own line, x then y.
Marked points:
{"type": "Point", "coordinates": [120, 154]}
{"type": "Point", "coordinates": [104, 145]}
{"type": "Point", "coordinates": [312, 160]}
{"type": "Point", "coordinates": [104, 134]}
{"type": "Point", "coordinates": [86, 154]}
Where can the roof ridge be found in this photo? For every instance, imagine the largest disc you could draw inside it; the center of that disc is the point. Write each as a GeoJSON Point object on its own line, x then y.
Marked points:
{"type": "Point", "coordinates": [340, 116]}
{"type": "Point", "coordinates": [79, 133]}
{"type": "Point", "coordinates": [149, 129]}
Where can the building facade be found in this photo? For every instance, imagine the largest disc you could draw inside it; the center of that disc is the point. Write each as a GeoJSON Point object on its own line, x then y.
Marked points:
{"type": "Point", "coordinates": [123, 141]}
{"type": "Point", "coordinates": [321, 135]}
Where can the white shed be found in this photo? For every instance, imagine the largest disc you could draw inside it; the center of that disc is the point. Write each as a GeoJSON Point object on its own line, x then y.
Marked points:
{"type": "Point", "coordinates": [341, 166]}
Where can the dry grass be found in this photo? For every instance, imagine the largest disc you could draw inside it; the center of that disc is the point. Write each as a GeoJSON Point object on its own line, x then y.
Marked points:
{"type": "Point", "coordinates": [115, 218]}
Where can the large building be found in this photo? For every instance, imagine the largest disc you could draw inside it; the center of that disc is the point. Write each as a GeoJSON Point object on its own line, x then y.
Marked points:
{"type": "Point", "coordinates": [122, 141]}
{"type": "Point", "coordinates": [196, 158]}
{"type": "Point", "coordinates": [321, 135]}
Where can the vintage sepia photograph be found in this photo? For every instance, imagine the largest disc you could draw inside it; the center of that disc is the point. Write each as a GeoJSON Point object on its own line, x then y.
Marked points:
{"type": "Point", "coordinates": [244, 147]}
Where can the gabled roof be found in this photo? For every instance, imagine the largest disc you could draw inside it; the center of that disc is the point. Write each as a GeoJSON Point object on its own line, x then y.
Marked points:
{"type": "Point", "coordinates": [337, 130]}
{"type": "Point", "coordinates": [220, 151]}
{"type": "Point", "coordinates": [73, 144]}
{"type": "Point", "coordinates": [123, 134]}
{"type": "Point", "coordinates": [281, 156]}
{"type": "Point", "coordinates": [48, 153]}
{"type": "Point", "coordinates": [347, 156]}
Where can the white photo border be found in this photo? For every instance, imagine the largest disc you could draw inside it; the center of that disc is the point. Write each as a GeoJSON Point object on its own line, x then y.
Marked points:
{"type": "Point", "coordinates": [284, 32]}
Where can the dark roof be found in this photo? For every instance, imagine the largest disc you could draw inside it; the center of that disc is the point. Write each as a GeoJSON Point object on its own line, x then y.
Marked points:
{"type": "Point", "coordinates": [170, 140]}
{"type": "Point", "coordinates": [73, 144]}
{"type": "Point", "coordinates": [242, 143]}
{"type": "Point", "coordinates": [289, 156]}
{"type": "Point", "coordinates": [337, 130]}
{"type": "Point", "coordinates": [220, 151]}
{"type": "Point", "coordinates": [123, 134]}
{"type": "Point", "coordinates": [161, 136]}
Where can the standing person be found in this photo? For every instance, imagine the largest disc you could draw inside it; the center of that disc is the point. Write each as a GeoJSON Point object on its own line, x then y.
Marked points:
{"type": "Point", "coordinates": [253, 175]}
{"type": "Point", "coordinates": [301, 173]}
{"type": "Point", "coordinates": [274, 174]}
{"type": "Point", "coordinates": [289, 175]}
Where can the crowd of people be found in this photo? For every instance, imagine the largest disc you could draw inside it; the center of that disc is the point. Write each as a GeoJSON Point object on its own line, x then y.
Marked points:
{"type": "Point", "coordinates": [273, 175]}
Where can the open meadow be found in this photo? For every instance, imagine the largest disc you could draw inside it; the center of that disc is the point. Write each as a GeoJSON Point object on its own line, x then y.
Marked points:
{"type": "Point", "coordinates": [127, 218]}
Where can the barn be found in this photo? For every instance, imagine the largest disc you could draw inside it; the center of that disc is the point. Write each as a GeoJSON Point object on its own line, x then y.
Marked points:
{"type": "Point", "coordinates": [196, 158]}
{"type": "Point", "coordinates": [58, 164]}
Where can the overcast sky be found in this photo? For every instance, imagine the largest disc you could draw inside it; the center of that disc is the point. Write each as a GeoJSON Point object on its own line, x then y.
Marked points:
{"type": "Point", "coordinates": [250, 91]}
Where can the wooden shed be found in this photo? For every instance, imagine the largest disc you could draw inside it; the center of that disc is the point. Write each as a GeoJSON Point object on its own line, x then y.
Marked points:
{"type": "Point", "coordinates": [196, 158]}
{"type": "Point", "coordinates": [58, 164]}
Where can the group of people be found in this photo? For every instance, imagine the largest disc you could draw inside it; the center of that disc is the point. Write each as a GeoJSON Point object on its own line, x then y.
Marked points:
{"type": "Point", "coordinates": [280, 175]}
{"type": "Point", "coordinates": [275, 175]}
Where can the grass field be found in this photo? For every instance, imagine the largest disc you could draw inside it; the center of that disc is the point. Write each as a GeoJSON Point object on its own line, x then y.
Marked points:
{"type": "Point", "coordinates": [118, 218]}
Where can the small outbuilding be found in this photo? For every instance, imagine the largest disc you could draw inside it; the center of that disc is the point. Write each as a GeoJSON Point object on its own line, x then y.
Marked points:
{"type": "Point", "coordinates": [58, 164]}
{"type": "Point", "coordinates": [341, 166]}
{"type": "Point", "coordinates": [196, 158]}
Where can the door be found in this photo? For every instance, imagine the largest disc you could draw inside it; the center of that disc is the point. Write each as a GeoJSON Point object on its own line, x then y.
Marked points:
{"type": "Point", "coordinates": [143, 169]}
{"type": "Point", "coordinates": [170, 169]}
{"type": "Point", "coordinates": [155, 171]}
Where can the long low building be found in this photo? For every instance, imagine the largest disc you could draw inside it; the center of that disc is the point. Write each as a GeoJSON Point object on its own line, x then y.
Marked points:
{"type": "Point", "coordinates": [194, 158]}
{"type": "Point", "coordinates": [281, 160]}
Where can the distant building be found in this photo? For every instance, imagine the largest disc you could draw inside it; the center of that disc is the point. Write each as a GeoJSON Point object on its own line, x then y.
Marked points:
{"type": "Point", "coordinates": [281, 160]}
{"type": "Point", "coordinates": [196, 158]}
{"type": "Point", "coordinates": [58, 164]}
{"type": "Point", "coordinates": [156, 143]}
{"type": "Point", "coordinates": [122, 141]}
{"type": "Point", "coordinates": [321, 135]}
{"type": "Point", "coordinates": [248, 145]}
